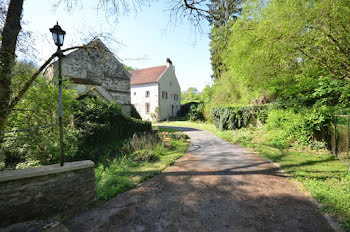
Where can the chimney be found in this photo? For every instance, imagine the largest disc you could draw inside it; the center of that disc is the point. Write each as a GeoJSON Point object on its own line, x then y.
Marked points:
{"type": "Point", "coordinates": [168, 62]}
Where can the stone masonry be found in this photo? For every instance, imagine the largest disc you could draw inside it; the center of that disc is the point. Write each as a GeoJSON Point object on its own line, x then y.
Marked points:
{"type": "Point", "coordinates": [96, 65]}
{"type": "Point", "coordinates": [36, 193]}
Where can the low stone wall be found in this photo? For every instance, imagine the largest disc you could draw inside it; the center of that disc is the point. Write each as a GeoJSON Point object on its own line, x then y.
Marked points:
{"type": "Point", "coordinates": [41, 192]}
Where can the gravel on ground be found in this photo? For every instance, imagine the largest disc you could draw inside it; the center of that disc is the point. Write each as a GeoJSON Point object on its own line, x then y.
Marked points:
{"type": "Point", "coordinates": [216, 186]}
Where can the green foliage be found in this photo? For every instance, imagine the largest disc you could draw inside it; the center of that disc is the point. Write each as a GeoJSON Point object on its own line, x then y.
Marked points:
{"type": "Point", "coordinates": [145, 157]}
{"type": "Point", "coordinates": [134, 113]}
{"type": "Point", "coordinates": [229, 118]}
{"type": "Point", "coordinates": [177, 136]}
{"type": "Point", "coordinates": [190, 95]}
{"type": "Point", "coordinates": [128, 68]}
{"type": "Point", "coordinates": [224, 11]}
{"type": "Point", "coordinates": [103, 128]}
{"type": "Point", "coordinates": [285, 125]}
{"type": "Point", "coordinates": [290, 51]}
{"type": "Point", "coordinates": [93, 129]}
{"type": "Point", "coordinates": [196, 112]}
{"type": "Point", "coordinates": [38, 107]}
{"type": "Point", "coordinates": [156, 115]}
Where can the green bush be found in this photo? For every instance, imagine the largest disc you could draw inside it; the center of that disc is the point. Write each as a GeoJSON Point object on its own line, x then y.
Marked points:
{"type": "Point", "coordinates": [196, 112]}
{"type": "Point", "coordinates": [145, 156]}
{"type": "Point", "coordinates": [230, 118]}
{"type": "Point", "coordinates": [103, 129]}
{"type": "Point", "coordinates": [287, 125]}
{"type": "Point", "coordinates": [177, 135]}
{"type": "Point", "coordinates": [38, 107]}
{"type": "Point", "coordinates": [134, 113]}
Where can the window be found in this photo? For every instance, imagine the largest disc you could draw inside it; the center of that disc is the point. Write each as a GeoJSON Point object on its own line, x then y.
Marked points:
{"type": "Point", "coordinates": [164, 94]}
{"type": "Point", "coordinates": [170, 83]}
{"type": "Point", "coordinates": [147, 107]}
{"type": "Point", "coordinates": [134, 93]}
{"type": "Point", "coordinates": [176, 97]}
{"type": "Point", "coordinates": [147, 94]}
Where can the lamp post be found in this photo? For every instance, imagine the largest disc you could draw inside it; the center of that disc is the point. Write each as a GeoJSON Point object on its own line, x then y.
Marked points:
{"type": "Point", "coordinates": [58, 38]}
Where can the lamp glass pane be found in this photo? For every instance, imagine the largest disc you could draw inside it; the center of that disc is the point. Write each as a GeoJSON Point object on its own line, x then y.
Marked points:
{"type": "Point", "coordinates": [55, 37]}
{"type": "Point", "coordinates": [61, 37]}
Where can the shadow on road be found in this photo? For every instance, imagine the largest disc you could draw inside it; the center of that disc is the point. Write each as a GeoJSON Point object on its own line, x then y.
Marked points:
{"type": "Point", "coordinates": [180, 128]}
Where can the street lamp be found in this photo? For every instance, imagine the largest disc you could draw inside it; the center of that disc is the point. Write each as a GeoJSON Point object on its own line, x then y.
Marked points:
{"type": "Point", "coordinates": [58, 38]}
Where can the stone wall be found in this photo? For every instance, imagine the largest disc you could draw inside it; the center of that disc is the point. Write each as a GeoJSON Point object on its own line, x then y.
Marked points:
{"type": "Point", "coordinates": [34, 193]}
{"type": "Point", "coordinates": [96, 65]}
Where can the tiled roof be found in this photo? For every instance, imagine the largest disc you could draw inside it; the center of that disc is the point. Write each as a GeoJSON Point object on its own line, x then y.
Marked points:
{"type": "Point", "coordinates": [146, 75]}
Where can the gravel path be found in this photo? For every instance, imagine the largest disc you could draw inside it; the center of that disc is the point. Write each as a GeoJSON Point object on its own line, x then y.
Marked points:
{"type": "Point", "coordinates": [217, 186]}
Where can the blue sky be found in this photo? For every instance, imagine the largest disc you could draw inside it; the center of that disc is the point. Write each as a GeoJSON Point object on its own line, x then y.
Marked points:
{"type": "Point", "coordinates": [139, 40]}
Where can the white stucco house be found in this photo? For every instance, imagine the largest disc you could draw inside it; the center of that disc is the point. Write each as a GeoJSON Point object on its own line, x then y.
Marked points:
{"type": "Point", "coordinates": [155, 92]}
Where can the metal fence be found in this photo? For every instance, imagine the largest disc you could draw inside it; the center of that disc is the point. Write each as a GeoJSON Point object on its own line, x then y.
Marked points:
{"type": "Point", "coordinates": [341, 138]}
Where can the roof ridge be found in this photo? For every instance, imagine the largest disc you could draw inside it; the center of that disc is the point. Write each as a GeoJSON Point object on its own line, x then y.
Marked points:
{"type": "Point", "coordinates": [147, 68]}
{"type": "Point", "coordinates": [147, 75]}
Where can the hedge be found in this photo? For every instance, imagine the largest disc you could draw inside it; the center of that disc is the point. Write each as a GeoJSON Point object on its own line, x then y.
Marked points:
{"type": "Point", "coordinates": [230, 118]}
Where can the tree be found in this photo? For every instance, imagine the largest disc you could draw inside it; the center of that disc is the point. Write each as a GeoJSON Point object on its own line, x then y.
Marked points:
{"type": "Point", "coordinates": [9, 35]}
{"type": "Point", "coordinates": [288, 51]}
{"type": "Point", "coordinates": [225, 11]}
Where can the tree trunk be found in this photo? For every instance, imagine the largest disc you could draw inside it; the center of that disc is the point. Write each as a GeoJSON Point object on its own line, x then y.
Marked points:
{"type": "Point", "coordinates": [10, 33]}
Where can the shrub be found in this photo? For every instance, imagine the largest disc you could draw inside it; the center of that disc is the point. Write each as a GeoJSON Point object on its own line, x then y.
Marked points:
{"type": "Point", "coordinates": [285, 125]}
{"type": "Point", "coordinates": [134, 113]}
{"type": "Point", "coordinates": [196, 112]}
{"type": "Point", "coordinates": [143, 141]}
{"type": "Point", "coordinates": [230, 118]}
{"type": "Point", "coordinates": [177, 135]}
{"type": "Point", "coordinates": [145, 156]}
{"type": "Point", "coordinates": [185, 109]}
{"type": "Point", "coordinates": [38, 107]}
{"type": "Point", "coordinates": [103, 128]}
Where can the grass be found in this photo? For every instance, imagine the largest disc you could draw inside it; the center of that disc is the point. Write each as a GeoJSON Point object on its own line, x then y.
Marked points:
{"type": "Point", "coordinates": [162, 129]}
{"type": "Point", "coordinates": [125, 173]}
{"type": "Point", "coordinates": [322, 175]}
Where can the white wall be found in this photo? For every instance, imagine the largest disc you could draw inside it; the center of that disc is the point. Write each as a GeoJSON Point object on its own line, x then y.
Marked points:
{"type": "Point", "coordinates": [139, 99]}
{"type": "Point", "coordinates": [168, 82]}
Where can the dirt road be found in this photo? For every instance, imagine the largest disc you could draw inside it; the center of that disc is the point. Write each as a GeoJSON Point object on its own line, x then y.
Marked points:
{"type": "Point", "coordinates": [217, 186]}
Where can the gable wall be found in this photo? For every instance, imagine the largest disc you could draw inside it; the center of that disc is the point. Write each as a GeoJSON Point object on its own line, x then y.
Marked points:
{"type": "Point", "coordinates": [100, 66]}
{"type": "Point", "coordinates": [165, 105]}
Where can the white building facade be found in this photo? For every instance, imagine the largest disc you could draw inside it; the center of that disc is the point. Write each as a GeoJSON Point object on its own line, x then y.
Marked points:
{"type": "Point", "coordinates": [155, 92]}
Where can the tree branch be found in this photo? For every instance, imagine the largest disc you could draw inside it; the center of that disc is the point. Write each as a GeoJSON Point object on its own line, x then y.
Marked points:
{"type": "Point", "coordinates": [29, 82]}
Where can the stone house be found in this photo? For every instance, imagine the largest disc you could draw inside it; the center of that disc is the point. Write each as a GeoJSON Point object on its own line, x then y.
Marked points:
{"type": "Point", "coordinates": [96, 70]}
{"type": "Point", "coordinates": [155, 92]}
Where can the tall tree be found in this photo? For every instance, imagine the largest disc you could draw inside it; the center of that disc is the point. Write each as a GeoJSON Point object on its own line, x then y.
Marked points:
{"type": "Point", "coordinates": [225, 12]}
{"type": "Point", "coordinates": [9, 35]}
{"type": "Point", "coordinates": [292, 51]}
